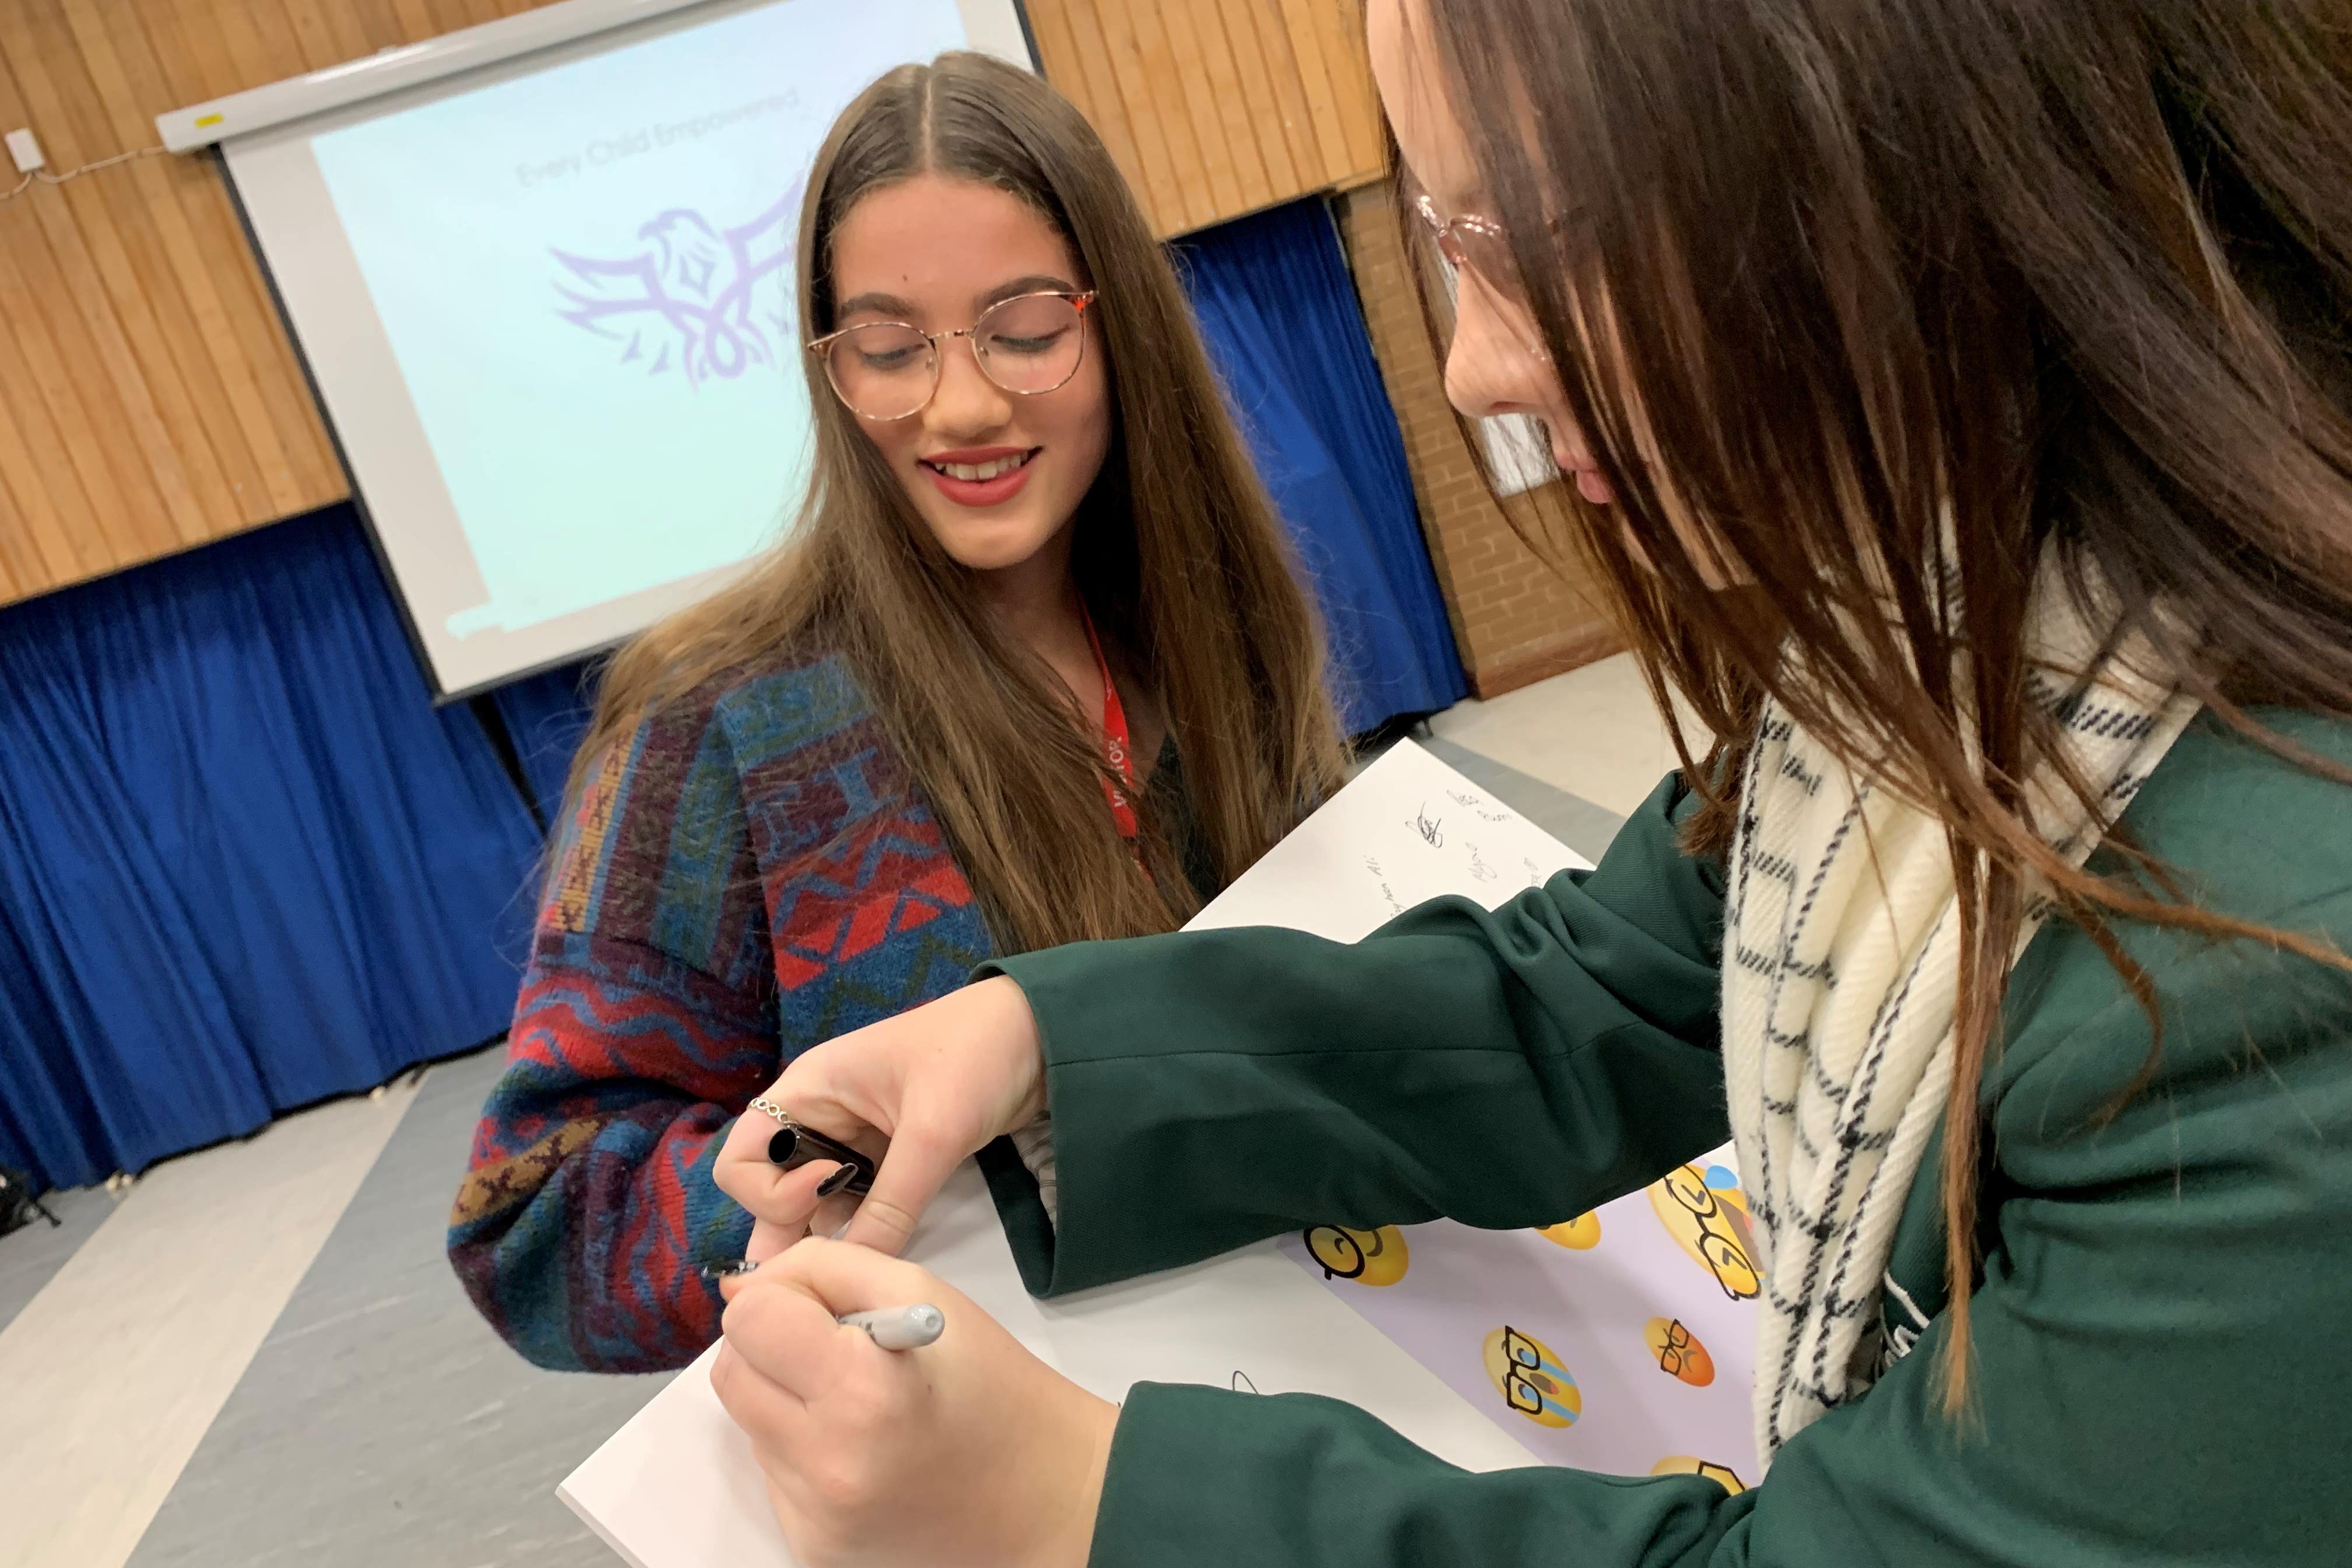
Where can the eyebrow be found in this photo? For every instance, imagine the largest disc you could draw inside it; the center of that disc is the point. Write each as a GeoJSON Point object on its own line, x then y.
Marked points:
{"type": "Point", "coordinates": [891, 305]}
{"type": "Point", "coordinates": [1035, 283]}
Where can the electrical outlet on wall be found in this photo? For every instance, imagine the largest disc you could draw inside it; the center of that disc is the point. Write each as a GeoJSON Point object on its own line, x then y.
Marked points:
{"type": "Point", "coordinates": [26, 148]}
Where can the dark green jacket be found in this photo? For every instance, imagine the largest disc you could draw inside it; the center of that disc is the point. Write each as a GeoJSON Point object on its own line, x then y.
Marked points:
{"type": "Point", "coordinates": [2162, 1333]}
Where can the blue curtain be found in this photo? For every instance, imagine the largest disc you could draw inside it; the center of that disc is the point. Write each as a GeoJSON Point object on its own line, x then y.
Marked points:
{"type": "Point", "coordinates": [1276, 303]}
{"type": "Point", "coordinates": [244, 863]}
{"type": "Point", "coordinates": [545, 715]}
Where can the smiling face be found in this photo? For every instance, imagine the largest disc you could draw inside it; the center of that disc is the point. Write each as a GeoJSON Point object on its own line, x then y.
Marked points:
{"type": "Point", "coordinates": [996, 475]}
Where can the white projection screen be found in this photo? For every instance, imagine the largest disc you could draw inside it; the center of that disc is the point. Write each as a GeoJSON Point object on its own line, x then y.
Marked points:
{"type": "Point", "coordinates": [549, 308]}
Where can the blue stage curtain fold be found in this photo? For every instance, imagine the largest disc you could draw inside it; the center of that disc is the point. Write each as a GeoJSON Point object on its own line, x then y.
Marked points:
{"type": "Point", "coordinates": [244, 863]}
{"type": "Point", "coordinates": [1274, 300]}
{"type": "Point", "coordinates": [545, 716]}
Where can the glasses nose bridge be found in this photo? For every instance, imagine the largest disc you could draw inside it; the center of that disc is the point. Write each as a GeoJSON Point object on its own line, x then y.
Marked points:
{"type": "Point", "coordinates": [939, 341]}
{"type": "Point", "coordinates": [939, 352]}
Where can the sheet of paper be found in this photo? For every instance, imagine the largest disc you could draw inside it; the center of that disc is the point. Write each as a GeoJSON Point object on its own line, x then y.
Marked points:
{"type": "Point", "coordinates": [677, 1488]}
{"type": "Point", "coordinates": [1622, 1341]}
{"type": "Point", "coordinates": [1405, 830]}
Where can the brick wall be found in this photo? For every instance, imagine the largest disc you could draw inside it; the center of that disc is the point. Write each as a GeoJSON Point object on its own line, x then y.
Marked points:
{"type": "Point", "coordinates": [1515, 620]}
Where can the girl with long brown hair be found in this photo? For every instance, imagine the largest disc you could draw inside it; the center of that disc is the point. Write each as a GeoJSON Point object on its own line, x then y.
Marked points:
{"type": "Point", "coordinates": [1031, 669]}
{"type": "Point", "coordinates": [1960, 398]}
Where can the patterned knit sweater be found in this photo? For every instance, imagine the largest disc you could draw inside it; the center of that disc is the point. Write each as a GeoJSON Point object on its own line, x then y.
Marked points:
{"type": "Point", "coordinates": [752, 873]}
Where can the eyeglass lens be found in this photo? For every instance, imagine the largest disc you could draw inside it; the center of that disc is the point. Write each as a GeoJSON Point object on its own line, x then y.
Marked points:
{"type": "Point", "coordinates": [886, 370]}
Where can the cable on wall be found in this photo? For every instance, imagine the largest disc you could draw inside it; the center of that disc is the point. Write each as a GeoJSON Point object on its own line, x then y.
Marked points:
{"type": "Point", "coordinates": [36, 173]}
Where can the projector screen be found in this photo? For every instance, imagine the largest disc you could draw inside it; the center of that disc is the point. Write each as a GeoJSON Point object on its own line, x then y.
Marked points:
{"type": "Point", "coordinates": [548, 307]}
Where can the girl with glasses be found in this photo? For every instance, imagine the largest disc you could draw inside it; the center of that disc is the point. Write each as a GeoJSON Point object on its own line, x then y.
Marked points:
{"type": "Point", "coordinates": [1031, 669]}
{"type": "Point", "coordinates": [1957, 397]}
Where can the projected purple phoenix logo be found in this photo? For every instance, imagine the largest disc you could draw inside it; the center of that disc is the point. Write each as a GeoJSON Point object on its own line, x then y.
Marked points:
{"type": "Point", "coordinates": [697, 298]}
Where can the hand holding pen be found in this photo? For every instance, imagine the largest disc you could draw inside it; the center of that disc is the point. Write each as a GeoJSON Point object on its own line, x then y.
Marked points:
{"type": "Point", "coordinates": [967, 1450]}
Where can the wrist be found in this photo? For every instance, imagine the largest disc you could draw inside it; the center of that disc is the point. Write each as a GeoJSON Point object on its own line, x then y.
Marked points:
{"type": "Point", "coordinates": [1071, 1542]}
{"type": "Point", "coordinates": [1029, 1047]}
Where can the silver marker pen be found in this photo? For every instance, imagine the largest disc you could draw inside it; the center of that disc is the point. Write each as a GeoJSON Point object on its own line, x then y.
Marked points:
{"type": "Point", "coordinates": [900, 1328]}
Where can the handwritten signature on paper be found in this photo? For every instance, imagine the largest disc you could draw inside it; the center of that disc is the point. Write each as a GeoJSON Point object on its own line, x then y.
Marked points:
{"type": "Point", "coordinates": [1535, 872]}
{"type": "Point", "coordinates": [1478, 866]}
{"type": "Point", "coordinates": [1375, 867]}
{"type": "Point", "coordinates": [1476, 806]}
{"type": "Point", "coordinates": [1430, 828]}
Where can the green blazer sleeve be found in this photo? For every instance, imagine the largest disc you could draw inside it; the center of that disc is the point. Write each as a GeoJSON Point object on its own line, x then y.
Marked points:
{"type": "Point", "coordinates": [2156, 1361]}
{"type": "Point", "coordinates": [2157, 1365]}
{"type": "Point", "coordinates": [1507, 1069]}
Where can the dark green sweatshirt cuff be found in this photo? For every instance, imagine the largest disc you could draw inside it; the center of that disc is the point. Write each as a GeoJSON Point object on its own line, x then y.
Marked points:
{"type": "Point", "coordinates": [1021, 1208]}
{"type": "Point", "coordinates": [1199, 1475]}
{"type": "Point", "coordinates": [1073, 992]}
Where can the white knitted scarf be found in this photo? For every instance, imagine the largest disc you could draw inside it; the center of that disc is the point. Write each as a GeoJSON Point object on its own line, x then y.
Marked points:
{"type": "Point", "coordinates": [1839, 987]}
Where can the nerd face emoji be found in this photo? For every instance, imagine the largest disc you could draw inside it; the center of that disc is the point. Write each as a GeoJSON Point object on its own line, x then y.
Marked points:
{"type": "Point", "coordinates": [1531, 1378]}
{"type": "Point", "coordinates": [1707, 1215]}
{"type": "Point", "coordinates": [1378, 1257]}
{"type": "Point", "coordinates": [1579, 1234]}
{"type": "Point", "coordinates": [1677, 1351]}
{"type": "Point", "coordinates": [1684, 1465]}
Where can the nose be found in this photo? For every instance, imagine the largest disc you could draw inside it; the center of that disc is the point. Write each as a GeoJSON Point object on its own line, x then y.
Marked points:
{"type": "Point", "coordinates": [1491, 367]}
{"type": "Point", "coordinates": [967, 402]}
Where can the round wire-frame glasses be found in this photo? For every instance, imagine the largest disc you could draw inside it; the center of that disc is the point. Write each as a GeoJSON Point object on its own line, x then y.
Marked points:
{"type": "Point", "coordinates": [1027, 345]}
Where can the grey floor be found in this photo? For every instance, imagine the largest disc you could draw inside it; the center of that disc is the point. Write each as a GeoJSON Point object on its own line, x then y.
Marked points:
{"type": "Point", "coordinates": [381, 1423]}
{"type": "Point", "coordinates": [30, 1257]}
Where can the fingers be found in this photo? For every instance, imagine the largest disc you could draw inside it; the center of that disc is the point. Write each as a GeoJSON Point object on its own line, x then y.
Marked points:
{"type": "Point", "coordinates": [744, 1173]}
{"type": "Point", "coordinates": [833, 1217]}
{"type": "Point", "coordinates": [770, 1240]}
{"type": "Point", "coordinates": [841, 1277]}
{"type": "Point", "coordinates": [786, 1333]}
{"type": "Point", "coordinates": [770, 1415]}
{"type": "Point", "coordinates": [914, 1168]}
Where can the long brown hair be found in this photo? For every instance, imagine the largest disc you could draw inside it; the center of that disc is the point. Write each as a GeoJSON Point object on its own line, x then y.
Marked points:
{"type": "Point", "coordinates": [1873, 297]}
{"type": "Point", "coordinates": [1176, 553]}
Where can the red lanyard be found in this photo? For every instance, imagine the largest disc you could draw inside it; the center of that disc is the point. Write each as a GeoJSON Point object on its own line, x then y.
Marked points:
{"type": "Point", "coordinates": [1116, 741]}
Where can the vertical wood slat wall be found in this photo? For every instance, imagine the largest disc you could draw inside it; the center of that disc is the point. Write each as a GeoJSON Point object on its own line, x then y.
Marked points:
{"type": "Point", "coordinates": [149, 399]}
{"type": "Point", "coordinates": [1217, 108]}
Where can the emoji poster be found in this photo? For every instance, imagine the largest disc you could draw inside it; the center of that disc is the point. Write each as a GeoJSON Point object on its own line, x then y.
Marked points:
{"type": "Point", "coordinates": [1620, 1341]}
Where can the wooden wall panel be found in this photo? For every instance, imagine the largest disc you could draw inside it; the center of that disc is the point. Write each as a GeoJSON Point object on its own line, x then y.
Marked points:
{"type": "Point", "coordinates": [1217, 108]}
{"type": "Point", "coordinates": [149, 398]}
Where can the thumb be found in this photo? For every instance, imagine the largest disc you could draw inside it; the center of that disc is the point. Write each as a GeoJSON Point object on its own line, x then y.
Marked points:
{"type": "Point", "coordinates": [914, 1168]}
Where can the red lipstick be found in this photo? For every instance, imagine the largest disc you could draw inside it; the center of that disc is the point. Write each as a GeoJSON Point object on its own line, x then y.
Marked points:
{"type": "Point", "coordinates": [1012, 465]}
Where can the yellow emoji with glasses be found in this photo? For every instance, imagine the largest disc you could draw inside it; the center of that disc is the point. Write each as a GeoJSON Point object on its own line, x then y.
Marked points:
{"type": "Point", "coordinates": [1689, 1465]}
{"type": "Point", "coordinates": [1528, 1375]}
{"type": "Point", "coordinates": [1679, 1352]}
{"type": "Point", "coordinates": [1367, 1257]}
{"type": "Point", "coordinates": [1707, 1214]}
{"type": "Point", "coordinates": [1579, 1234]}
